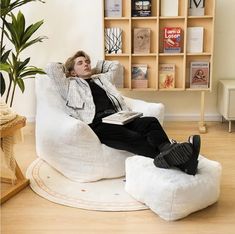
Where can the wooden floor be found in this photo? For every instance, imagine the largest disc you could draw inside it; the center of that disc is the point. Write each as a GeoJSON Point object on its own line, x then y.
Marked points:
{"type": "Point", "coordinates": [28, 213]}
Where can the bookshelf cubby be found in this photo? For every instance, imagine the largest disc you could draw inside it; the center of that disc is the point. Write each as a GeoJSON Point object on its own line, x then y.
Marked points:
{"type": "Point", "coordinates": [156, 23]}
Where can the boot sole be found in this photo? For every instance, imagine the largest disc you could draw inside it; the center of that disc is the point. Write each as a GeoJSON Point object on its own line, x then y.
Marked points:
{"type": "Point", "coordinates": [175, 156]}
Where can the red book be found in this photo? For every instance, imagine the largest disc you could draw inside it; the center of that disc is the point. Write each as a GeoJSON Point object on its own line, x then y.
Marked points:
{"type": "Point", "coordinates": [172, 39]}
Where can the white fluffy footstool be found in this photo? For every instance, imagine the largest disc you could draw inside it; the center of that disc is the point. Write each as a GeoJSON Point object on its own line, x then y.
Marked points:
{"type": "Point", "coordinates": [171, 193]}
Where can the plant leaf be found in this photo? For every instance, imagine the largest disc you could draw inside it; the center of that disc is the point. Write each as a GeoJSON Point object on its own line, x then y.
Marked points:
{"type": "Point", "coordinates": [32, 71]}
{"type": "Point", "coordinates": [38, 39]}
{"type": "Point", "coordinates": [23, 64]}
{"type": "Point", "coordinates": [20, 83]}
{"type": "Point", "coordinates": [4, 57]}
{"type": "Point", "coordinates": [20, 25]}
{"type": "Point", "coordinates": [31, 30]}
{"type": "Point", "coordinates": [3, 84]}
{"type": "Point", "coordinates": [5, 67]}
{"type": "Point", "coordinates": [13, 35]}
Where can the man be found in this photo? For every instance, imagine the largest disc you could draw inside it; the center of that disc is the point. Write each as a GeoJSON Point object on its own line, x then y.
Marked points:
{"type": "Point", "coordinates": [90, 96]}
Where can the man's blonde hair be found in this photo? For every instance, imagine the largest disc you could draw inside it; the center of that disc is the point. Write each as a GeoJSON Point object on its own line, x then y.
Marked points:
{"type": "Point", "coordinates": [69, 64]}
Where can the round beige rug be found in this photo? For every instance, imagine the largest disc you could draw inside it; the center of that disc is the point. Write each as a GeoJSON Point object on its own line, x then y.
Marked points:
{"type": "Point", "coordinates": [103, 195]}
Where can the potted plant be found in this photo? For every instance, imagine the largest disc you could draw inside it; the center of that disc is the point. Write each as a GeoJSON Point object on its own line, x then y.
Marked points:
{"type": "Point", "coordinates": [15, 38]}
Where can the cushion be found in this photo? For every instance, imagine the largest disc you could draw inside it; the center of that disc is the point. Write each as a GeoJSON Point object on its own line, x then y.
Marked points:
{"type": "Point", "coordinates": [171, 193]}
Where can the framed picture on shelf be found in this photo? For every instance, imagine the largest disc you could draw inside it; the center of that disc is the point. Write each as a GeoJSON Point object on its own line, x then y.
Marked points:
{"type": "Point", "coordinates": [199, 74]}
{"type": "Point", "coordinates": [139, 76]}
{"type": "Point", "coordinates": [141, 8]}
{"type": "Point", "coordinates": [141, 40]}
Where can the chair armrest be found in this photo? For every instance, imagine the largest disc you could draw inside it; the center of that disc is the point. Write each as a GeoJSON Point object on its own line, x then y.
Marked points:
{"type": "Point", "coordinates": [147, 108]}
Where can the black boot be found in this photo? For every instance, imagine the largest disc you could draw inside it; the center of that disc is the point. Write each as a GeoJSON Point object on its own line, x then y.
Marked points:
{"type": "Point", "coordinates": [190, 167]}
{"type": "Point", "coordinates": [173, 154]}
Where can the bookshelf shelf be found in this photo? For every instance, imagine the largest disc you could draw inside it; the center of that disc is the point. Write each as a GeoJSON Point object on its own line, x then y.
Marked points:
{"type": "Point", "coordinates": [117, 18]}
{"type": "Point", "coordinates": [171, 17]}
{"type": "Point", "coordinates": [117, 55]}
{"type": "Point", "coordinates": [144, 55]}
{"type": "Point", "coordinates": [170, 54]}
{"type": "Point", "coordinates": [144, 18]}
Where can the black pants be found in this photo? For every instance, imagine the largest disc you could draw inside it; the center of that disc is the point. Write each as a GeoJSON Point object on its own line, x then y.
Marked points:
{"type": "Point", "coordinates": [142, 136]}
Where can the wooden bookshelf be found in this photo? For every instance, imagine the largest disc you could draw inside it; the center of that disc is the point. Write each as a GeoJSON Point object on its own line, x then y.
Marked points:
{"type": "Point", "coordinates": [156, 23]}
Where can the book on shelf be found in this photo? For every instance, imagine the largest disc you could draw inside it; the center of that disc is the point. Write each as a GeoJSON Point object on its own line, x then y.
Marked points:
{"type": "Point", "coordinates": [141, 8]}
{"type": "Point", "coordinates": [113, 8]}
{"type": "Point", "coordinates": [196, 7]}
{"type": "Point", "coordinates": [172, 39]}
{"type": "Point", "coordinates": [122, 117]}
{"type": "Point", "coordinates": [113, 40]}
{"type": "Point", "coordinates": [119, 80]}
{"type": "Point", "coordinates": [195, 39]}
{"type": "Point", "coordinates": [141, 40]}
{"type": "Point", "coordinates": [139, 79]}
{"type": "Point", "coordinates": [169, 8]}
{"type": "Point", "coordinates": [199, 74]}
{"type": "Point", "coordinates": [166, 79]}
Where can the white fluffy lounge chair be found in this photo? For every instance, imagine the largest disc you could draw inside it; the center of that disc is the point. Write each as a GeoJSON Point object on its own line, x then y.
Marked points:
{"type": "Point", "coordinates": [70, 146]}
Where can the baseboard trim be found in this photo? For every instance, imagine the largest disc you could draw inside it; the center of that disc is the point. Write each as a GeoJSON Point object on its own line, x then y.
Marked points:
{"type": "Point", "coordinates": [207, 117]}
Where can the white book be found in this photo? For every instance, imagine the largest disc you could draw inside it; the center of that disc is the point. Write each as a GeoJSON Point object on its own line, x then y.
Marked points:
{"type": "Point", "coordinates": [113, 8]}
{"type": "Point", "coordinates": [169, 8]}
{"type": "Point", "coordinates": [195, 39]}
{"type": "Point", "coordinates": [122, 117]}
{"type": "Point", "coordinates": [196, 7]}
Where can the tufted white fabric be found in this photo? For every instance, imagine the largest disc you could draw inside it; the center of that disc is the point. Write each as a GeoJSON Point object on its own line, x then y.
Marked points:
{"type": "Point", "coordinates": [69, 145]}
{"type": "Point", "coordinates": [171, 193]}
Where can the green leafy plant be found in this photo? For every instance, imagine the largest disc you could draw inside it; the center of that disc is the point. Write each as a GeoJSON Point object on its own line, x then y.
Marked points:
{"type": "Point", "coordinates": [19, 38]}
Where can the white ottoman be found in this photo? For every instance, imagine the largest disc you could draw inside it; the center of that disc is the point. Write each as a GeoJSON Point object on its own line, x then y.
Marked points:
{"type": "Point", "coordinates": [171, 193]}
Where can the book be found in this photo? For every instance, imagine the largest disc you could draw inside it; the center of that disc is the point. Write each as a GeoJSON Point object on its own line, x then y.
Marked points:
{"type": "Point", "coordinates": [141, 8]}
{"type": "Point", "coordinates": [169, 8]}
{"type": "Point", "coordinates": [166, 76]}
{"type": "Point", "coordinates": [141, 40]}
{"type": "Point", "coordinates": [196, 7]}
{"type": "Point", "coordinates": [122, 117]}
{"type": "Point", "coordinates": [199, 74]}
{"type": "Point", "coordinates": [195, 39]}
{"type": "Point", "coordinates": [172, 39]}
{"type": "Point", "coordinates": [119, 80]}
{"type": "Point", "coordinates": [113, 40]}
{"type": "Point", "coordinates": [113, 8]}
{"type": "Point", "coordinates": [139, 76]}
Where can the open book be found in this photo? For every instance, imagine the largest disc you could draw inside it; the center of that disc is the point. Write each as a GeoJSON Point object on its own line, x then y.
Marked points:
{"type": "Point", "coordinates": [121, 117]}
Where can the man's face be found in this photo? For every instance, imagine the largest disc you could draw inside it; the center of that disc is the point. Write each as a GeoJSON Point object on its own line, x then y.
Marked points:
{"type": "Point", "coordinates": [82, 67]}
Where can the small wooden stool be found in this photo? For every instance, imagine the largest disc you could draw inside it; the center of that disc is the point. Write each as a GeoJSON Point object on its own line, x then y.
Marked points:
{"type": "Point", "coordinates": [21, 182]}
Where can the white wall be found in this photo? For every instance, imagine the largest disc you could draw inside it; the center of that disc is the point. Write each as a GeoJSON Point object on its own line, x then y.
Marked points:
{"type": "Point", "coordinates": [77, 24]}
